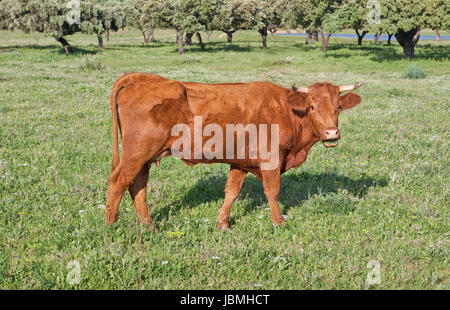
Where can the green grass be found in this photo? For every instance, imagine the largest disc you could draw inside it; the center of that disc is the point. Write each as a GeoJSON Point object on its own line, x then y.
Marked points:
{"type": "Point", "coordinates": [382, 194]}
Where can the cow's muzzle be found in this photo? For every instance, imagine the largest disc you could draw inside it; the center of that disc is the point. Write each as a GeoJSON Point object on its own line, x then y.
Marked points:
{"type": "Point", "coordinates": [331, 137]}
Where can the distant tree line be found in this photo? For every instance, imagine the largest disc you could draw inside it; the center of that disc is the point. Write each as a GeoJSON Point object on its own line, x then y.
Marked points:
{"type": "Point", "coordinates": [319, 18]}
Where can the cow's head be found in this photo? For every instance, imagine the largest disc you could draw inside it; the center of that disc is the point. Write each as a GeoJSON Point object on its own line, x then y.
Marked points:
{"type": "Point", "coordinates": [322, 103]}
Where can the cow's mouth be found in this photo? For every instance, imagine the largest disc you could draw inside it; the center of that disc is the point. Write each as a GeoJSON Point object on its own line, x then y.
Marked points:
{"type": "Point", "coordinates": [330, 142]}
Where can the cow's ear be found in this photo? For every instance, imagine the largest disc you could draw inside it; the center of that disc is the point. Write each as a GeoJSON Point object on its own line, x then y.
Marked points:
{"type": "Point", "coordinates": [298, 102]}
{"type": "Point", "coordinates": [349, 101]}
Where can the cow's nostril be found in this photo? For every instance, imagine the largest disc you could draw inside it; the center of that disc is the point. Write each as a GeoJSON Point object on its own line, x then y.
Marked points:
{"type": "Point", "coordinates": [332, 134]}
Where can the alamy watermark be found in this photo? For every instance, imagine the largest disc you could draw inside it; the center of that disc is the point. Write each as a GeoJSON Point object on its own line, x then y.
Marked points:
{"type": "Point", "coordinates": [74, 14]}
{"type": "Point", "coordinates": [73, 276]}
{"type": "Point", "coordinates": [215, 148]}
{"type": "Point", "coordinates": [374, 14]}
{"type": "Point", "coordinates": [374, 275]}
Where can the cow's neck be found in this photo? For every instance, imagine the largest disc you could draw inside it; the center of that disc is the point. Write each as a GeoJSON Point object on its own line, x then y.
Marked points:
{"type": "Point", "coordinates": [304, 140]}
{"type": "Point", "coordinates": [305, 135]}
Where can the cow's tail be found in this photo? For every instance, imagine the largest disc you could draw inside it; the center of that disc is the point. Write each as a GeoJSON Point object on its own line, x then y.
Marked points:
{"type": "Point", "coordinates": [115, 122]}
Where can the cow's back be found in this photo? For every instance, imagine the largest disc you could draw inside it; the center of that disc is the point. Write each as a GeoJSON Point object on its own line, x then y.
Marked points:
{"type": "Point", "coordinates": [231, 103]}
{"type": "Point", "coordinates": [256, 102]}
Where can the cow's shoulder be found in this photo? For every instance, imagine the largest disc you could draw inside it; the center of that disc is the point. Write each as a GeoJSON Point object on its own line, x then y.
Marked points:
{"type": "Point", "coordinates": [267, 88]}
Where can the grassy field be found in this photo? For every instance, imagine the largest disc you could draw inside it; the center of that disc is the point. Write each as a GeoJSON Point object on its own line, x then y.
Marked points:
{"type": "Point", "coordinates": [381, 195]}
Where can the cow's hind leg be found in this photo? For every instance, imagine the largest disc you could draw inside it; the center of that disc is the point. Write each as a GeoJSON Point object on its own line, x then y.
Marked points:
{"type": "Point", "coordinates": [121, 178]}
{"type": "Point", "coordinates": [138, 189]}
{"type": "Point", "coordinates": [232, 189]}
{"type": "Point", "coordinates": [116, 188]}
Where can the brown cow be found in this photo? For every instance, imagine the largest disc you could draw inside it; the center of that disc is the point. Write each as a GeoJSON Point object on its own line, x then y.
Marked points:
{"type": "Point", "coordinates": [157, 116]}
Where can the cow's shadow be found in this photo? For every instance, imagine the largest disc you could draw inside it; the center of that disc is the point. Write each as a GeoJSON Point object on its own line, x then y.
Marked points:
{"type": "Point", "coordinates": [295, 190]}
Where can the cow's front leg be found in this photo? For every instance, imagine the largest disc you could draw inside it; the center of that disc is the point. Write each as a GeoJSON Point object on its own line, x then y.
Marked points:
{"type": "Point", "coordinates": [232, 189]}
{"type": "Point", "coordinates": [271, 185]}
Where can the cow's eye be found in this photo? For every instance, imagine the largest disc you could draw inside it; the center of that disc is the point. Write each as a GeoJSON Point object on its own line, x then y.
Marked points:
{"type": "Point", "coordinates": [340, 108]}
{"type": "Point", "coordinates": [312, 107]}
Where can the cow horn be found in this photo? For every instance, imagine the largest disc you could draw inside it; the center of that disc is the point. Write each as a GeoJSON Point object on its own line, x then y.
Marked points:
{"type": "Point", "coordinates": [302, 90]}
{"type": "Point", "coordinates": [349, 87]}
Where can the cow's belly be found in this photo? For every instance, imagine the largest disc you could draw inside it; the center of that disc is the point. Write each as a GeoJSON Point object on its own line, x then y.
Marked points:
{"type": "Point", "coordinates": [247, 166]}
{"type": "Point", "coordinates": [244, 164]}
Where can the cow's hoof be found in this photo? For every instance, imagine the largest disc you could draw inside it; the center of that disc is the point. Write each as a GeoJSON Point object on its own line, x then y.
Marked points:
{"type": "Point", "coordinates": [280, 223]}
{"type": "Point", "coordinates": [223, 226]}
{"type": "Point", "coordinates": [110, 218]}
{"type": "Point", "coordinates": [150, 225]}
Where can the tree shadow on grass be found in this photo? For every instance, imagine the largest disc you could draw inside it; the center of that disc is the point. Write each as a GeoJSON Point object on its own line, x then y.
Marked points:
{"type": "Point", "coordinates": [54, 48]}
{"type": "Point", "coordinates": [295, 190]}
{"type": "Point", "coordinates": [210, 47]}
{"type": "Point", "coordinates": [380, 52]}
{"type": "Point", "coordinates": [150, 45]}
{"type": "Point", "coordinates": [79, 51]}
{"type": "Point", "coordinates": [215, 47]}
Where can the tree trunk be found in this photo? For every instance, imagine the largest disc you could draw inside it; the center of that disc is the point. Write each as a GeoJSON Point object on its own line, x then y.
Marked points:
{"type": "Point", "coordinates": [316, 36]}
{"type": "Point", "coordinates": [416, 37]}
{"type": "Point", "coordinates": [389, 38]}
{"type": "Point", "coordinates": [263, 32]}
{"type": "Point", "coordinates": [151, 35]}
{"type": "Point", "coordinates": [100, 40]}
{"type": "Point", "coordinates": [180, 42]}
{"type": "Point", "coordinates": [272, 30]}
{"type": "Point", "coordinates": [200, 41]}
{"type": "Point", "coordinates": [188, 38]}
{"type": "Point", "coordinates": [146, 38]}
{"type": "Point", "coordinates": [376, 39]}
{"type": "Point", "coordinates": [272, 35]}
{"type": "Point", "coordinates": [438, 35]}
{"type": "Point", "coordinates": [66, 45]}
{"type": "Point", "coordinates": [107, 35]}
{"type": "Point", "coordinates": [325, 40]}
{"type": "Point", "coordinates": [408, 40]}
{"type": "Point", "coordinates": [229, 36]}
{"type": "Point", "coordinates": [308, 37]}
{"type": "Point", "coordinates": [360, 36]}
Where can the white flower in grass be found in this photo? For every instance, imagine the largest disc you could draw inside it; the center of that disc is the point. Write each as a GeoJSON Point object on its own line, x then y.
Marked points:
{"type": "Point", "coordinates": [278, 258]}
{"type": "Point", "coordinates": [215, 257]}
{"type": "Point", "coordinates": [81, 211]}
{"type": "Point", "coordinates": [164, 262]}
{"type": "Point", "coordinates": [101, 207]}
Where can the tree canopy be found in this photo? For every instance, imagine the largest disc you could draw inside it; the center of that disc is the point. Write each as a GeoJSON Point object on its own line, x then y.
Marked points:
{"type": "Point", "coordinates": [59, 18]}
